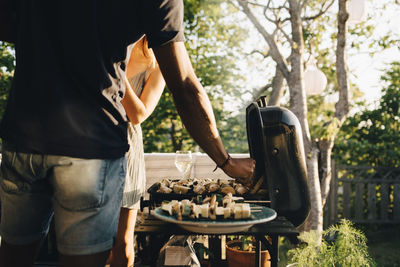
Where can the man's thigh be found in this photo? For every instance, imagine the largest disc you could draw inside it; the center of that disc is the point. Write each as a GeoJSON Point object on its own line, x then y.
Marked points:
{"type": "Point", "coordinates": [87, 199]}
{"type": "Point", "coordinates": [25, 195]}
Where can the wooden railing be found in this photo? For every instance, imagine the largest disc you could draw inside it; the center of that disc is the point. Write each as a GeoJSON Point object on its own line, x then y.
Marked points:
{"type": "Point", "coordinates": [364, 195]}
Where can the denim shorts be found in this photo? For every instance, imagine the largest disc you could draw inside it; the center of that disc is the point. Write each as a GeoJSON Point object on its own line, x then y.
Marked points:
{"type": "Point", "coordinates": [84, 195]}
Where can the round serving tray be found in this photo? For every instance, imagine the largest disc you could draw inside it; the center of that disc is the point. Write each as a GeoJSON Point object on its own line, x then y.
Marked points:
{"type": "Point", "coordinates": [222, 226]}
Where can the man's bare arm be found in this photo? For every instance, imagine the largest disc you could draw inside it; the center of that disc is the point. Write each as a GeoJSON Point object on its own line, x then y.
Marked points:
{"type": "Point", "coordinates": [194, 107]}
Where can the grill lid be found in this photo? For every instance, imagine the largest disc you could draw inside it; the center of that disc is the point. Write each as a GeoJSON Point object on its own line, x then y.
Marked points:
{"type": "Point", "coordinates": [276, 143]}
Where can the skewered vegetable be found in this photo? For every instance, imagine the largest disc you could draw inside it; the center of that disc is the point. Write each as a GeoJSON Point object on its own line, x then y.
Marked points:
{"type": "Point", "coordinates": [181, 189]}
{"type": "Point", "coordinates": [227, 189]}
{"type": "Point", "coordinates": [202, 186]}
{"type": "Point", "coordinates": [164, 189]}
{"type": "Point", "coordinates": [211, 209]}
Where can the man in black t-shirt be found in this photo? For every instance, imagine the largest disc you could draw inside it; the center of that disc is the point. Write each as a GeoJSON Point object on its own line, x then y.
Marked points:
{"type": "Point", "coordinates": [64, 128]}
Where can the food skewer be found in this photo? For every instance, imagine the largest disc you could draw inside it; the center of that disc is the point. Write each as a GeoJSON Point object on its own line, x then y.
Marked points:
{"type": "Point", "coordinates": [210, 208]}
{"type": "Point", "coordinates": [257, 201]}
{"type": "Point", "coordinates": [255, 209]}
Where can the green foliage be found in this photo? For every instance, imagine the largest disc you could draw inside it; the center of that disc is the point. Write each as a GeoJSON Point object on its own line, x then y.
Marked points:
{"type": "Point", "coordinates": [233, 133]}
{"type": "Point", "coordinates": [310, 251]}
{"type": "Point", "coordinates": [342, 245]}
{"type": "Point", "coordinates": [247, 242]}
{"type": "Point", "coordinates": [163, 131]}
{"type": "Point", "coordinates": [7, 63]}
{"type": "Point", "coordinates": [242, 242]}
{"type": "Point", "coordinates": [370, 137]}
{"type": "Point", "coordinates": [329, 129]}
{"type": "Point", "coordinates": [320, 115]}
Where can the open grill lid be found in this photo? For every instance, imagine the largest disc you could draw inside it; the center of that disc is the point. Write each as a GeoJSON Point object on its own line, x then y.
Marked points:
{"type": "Point", "coordinates": [276, 143]}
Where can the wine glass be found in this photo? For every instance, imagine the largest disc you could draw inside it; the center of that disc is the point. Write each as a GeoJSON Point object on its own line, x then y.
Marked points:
{"type": "Point", "coordinates": [184, 162]}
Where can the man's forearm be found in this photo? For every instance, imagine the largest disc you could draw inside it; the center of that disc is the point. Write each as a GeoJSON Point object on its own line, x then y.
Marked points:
{"type": "Point", "coordinates": [196, 112]}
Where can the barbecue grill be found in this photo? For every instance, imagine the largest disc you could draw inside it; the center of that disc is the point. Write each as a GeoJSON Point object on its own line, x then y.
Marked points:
{"type": "Point", "coordinates": [275, 142]}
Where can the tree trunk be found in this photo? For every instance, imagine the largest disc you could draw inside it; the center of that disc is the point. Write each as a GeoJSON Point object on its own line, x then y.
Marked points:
{"type": "Point", "coordinates": [315, 219]}
{"type": "Point", "coordinates": [342, 106]}
{"type": "Point", "coordinates": [260, 92]}
{"type": "Point", "coordinates": [277, 89]}
{"type": "Point", "coordinates": [325, 148]}
{"type": "Point", "coordinates": [298, 104]}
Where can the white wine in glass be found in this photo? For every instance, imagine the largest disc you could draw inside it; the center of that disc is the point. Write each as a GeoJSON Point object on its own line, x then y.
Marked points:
{"type": "Point", "coordinates": [183, 162]}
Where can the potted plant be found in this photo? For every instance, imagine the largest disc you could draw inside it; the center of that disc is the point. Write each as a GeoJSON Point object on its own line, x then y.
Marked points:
{"type": "Point", "coordinates": [341, 245]}
{"type": "Point", "coordinates": [241, 252]}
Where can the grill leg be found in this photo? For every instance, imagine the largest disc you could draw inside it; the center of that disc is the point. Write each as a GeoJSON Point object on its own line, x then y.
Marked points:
{"type": "Point", "coordinates": [272, 246]}
{"type": "Point", "coordinates": [275, 251]}
{"type": "Point", "coordinates": [258, 253]}
{"type": "Point", "coordinates": [214, 243]}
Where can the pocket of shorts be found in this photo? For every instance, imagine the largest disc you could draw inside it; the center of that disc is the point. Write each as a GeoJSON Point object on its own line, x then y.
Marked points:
{"type": "Point", "coordinates": [8, 157]}
{"type": "Point", "coordinates": [79, 185]}
{"type": "Point", "coordinates": [8, 178]}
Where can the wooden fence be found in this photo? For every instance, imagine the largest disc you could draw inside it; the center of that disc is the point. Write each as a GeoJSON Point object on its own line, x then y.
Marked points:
{"type": "Point", "coordinates": [364, 195]}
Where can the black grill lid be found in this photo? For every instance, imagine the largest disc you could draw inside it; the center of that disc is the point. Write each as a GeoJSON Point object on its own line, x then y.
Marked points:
{"type": "Point", "coordinates": [275, 142]}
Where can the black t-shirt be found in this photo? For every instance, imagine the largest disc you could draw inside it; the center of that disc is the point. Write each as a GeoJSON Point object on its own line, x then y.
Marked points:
{"type": "Point", "coordinates": [68, 82]}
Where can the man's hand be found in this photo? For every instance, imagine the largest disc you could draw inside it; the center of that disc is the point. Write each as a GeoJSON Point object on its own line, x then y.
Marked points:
{"type": "Point", "coordinates": [241, 169]}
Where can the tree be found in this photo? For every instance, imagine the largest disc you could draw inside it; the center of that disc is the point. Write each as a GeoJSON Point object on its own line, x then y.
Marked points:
{"type": "Point", "coordinates": [7, 63]}
{"type": "Point", "coordinates": [370, 137]}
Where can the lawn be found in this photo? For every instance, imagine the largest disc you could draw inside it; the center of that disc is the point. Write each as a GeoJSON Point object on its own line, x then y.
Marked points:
{"type": "Point", "coordinates": [384, 246]}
